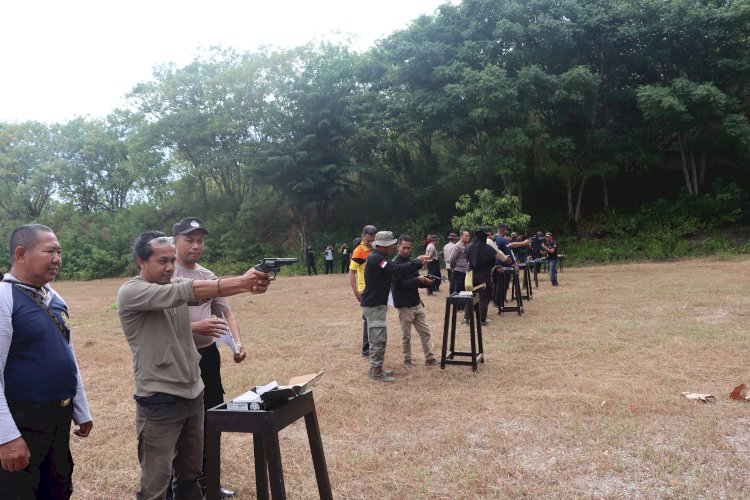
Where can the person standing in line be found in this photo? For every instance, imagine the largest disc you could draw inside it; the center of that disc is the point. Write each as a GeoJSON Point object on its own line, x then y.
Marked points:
{"type": "Point", "coordinates": [328, 254]}
{"type": "Point", "coordinates": [310, 260]}
{"type": "Point", "coordinates": [357, 276]}
{"type": "Point", "coordinates": [153, 311]}
{"type": "Point", "coordinates": [378, 272]}
{"type": "Point", "coordinates": [459, 264]}
{"type": "Point", "coordinates": [447, 250]}
{"type": "Point", "coordinates": [405, 290]}
{"type": "Point", "coordinates": [345, 257]}
{"type": "Point", "coordinates": [213, 316]}
{"type": "Point", "coordinates": [481, 259]}
{"type": "Point", "coordinates": [433, 267]}
{"type": "Point", "coordinates": [42, 389]}
{"type": "Point", "coordinates": [550, 246]}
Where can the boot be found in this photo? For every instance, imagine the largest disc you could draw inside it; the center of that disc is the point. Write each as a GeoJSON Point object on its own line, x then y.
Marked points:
{"type": "Point", "coordinates": [381, 375]}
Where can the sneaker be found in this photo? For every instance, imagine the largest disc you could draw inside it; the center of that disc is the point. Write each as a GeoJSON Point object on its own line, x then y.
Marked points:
{"type": "Point", "coordinates": [388, 373]}
{"type": "Point", "coordinates": [430, 362]}
{"type": "Point", "coordinates": [365, 354]}
{"type": "Point", "coordinates": [381, 376]}
{"type": "Point", "coordinates": [464, 321]}
{"type": "Point", "coordinates": [409, 366]}
{"type": "Point", "coordinates": [485, 323]}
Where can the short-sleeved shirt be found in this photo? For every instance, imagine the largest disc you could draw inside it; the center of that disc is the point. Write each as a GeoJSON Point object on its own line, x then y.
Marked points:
{"type": "Point", "coordinates": [357, 264]}
{"type": "Point", "coordinates": [214, 307]}
{"type": "Point", "coordinates": [552, 244]}
{"type": "Point", "coordinates": [447, 250]}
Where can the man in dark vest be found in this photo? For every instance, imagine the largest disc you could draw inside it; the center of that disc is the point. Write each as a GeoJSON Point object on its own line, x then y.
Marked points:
{"type": "Point", "coordinates": [42, 387]}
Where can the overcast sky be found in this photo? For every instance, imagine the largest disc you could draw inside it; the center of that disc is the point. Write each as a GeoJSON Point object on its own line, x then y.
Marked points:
{"type": "Point", "coordinates": [66, 58]}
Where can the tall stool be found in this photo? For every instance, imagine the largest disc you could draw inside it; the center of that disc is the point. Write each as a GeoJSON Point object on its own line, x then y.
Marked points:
{"type": "Point", "coordinates": [452, 304]}
{"type": "Point", "coordinates": [526, 286]}
{"type": "Point", "coordinates": [509, 273]}
{"type": "Point", "coordinates": [265, 426]}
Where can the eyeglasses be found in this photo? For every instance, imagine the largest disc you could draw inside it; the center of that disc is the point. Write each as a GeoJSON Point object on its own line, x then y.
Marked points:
{"type": "Point", "coordinates": [162, 240]}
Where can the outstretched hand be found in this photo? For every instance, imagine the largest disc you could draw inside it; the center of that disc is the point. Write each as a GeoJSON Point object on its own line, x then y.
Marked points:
{"type": "Point", "coordinates": [256, 281]}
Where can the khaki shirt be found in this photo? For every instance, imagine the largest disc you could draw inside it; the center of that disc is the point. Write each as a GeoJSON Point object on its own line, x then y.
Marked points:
{"type": "Point", "coordinates": [156, 324]}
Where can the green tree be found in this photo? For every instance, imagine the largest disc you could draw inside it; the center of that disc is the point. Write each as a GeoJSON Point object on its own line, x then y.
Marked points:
{"type": "Point", "coordinates": [489, 209]}
{"type": "Point", "coordinates": [28, 169]}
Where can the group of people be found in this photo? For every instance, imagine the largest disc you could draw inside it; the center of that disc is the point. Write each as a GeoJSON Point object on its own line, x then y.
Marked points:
{"type": "Point", "coordinates": [378, 280]}
{"type": "Point", "coordinates": [311, 258]}
{"type": "Point", "coordinates": [171, 313]}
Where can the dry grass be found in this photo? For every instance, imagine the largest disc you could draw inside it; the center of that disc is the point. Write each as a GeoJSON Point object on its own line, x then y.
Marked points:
{"type": "Point", "coordinates": [578, 397]}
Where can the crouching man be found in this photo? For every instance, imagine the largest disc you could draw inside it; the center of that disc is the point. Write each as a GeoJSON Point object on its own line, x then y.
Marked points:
{"type": "Point", "coordinates": [405, 289]}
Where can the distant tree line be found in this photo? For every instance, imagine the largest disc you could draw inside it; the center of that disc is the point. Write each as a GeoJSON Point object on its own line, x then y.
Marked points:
{"type": "Point", "coordinates": [573, 107]}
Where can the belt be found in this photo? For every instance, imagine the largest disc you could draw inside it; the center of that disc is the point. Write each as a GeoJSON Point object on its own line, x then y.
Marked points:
{"type": "Point", "coordinates": [61, 403]}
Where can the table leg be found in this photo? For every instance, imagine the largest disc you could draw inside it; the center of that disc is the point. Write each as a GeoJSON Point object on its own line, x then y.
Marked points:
{"type": "Point", "coordinates": [261, 467]}
{"type": "Point", "coordinates": [275, 469]}
{"type": "Point", "coordinates": [213, 464]}
{"type": "Point", "coordinates": [318, 457]}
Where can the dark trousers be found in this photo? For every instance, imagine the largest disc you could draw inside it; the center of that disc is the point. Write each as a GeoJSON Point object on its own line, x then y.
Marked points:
{"type": "Point", "coordinates": [451, 288]}
{"type": "Point", "coordinates": [213, 394]}
{"type": "Point", "coordinates": [433, 267]}
{"type": "Point", "coordinates": [46, 430]}
{"type": "Point", "coordinates": [312, 269]}
{"type": "Point", "coordinates": [485, 294]}
{"type": "Point", "coordinates": [344, 265]}
{"type": "Point", "coordinates": [329, 267]}
{"type": "Point", "coordinates": [457, 284]}
{"type": "Point", "coordinates": [365, 336]}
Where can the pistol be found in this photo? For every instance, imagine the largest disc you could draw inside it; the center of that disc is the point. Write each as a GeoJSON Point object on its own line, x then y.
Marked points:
{"type": "Point", "coordinates": [272, 265]}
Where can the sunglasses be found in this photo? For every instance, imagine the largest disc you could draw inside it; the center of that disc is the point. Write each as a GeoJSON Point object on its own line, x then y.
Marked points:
{"type": "Point", "coordinates": [162, 240]}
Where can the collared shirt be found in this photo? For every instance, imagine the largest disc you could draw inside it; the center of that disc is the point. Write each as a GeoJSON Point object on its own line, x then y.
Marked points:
{"type": "Point", "coordinates": [8, 429]}
{"type": "Point", "coordinates": [458, 258]}
{"type": "Point", "coordinates": [447, 250]}
{"type": "Point", "coordinates": [431, 251]}
{"type": "Point", "coordinates": [213, 307]}
{"type": "Point", "coordinates": [357, 264]}
{"type": "Point", "coordinates": [156, 324]}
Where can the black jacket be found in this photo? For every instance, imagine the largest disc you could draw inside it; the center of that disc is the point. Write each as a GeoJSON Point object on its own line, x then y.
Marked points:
{"type": "Point", "coordinates": [405, 287]}
{"type": "Point", "coordinates": [378, 271]}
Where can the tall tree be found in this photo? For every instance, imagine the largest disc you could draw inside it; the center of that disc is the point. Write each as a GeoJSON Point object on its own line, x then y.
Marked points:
{"type": "Point", "coordinates": [28, 169]}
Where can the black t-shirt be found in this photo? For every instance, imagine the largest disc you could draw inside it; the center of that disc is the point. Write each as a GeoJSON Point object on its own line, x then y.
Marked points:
{"type": "Point", "coordinates": [552, 245]}
{"type": "Point", "coordinates": [378, 271]}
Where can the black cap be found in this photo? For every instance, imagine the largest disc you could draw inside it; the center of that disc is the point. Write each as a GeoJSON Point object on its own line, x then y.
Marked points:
{"type": "Point", "coordinates": [188, 225]}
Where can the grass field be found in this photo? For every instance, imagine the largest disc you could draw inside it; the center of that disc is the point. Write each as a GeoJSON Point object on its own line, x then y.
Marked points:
{"type": "Point", "coordinates": [580, 396]}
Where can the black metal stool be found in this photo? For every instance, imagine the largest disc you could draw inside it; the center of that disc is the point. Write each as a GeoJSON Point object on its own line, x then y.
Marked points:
{"type": "Point", "coordinates": [452, 304]}
{"type": "Point", "coordinates": [265, 426]}
{"type": "Point", "coordinates": [508, 273]}
{"type": "Point", "coordinates": [526, 267]}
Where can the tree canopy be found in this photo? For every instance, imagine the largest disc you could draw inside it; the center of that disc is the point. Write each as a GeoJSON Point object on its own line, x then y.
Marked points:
{"type": "Point", "coordinates": [568, 107]}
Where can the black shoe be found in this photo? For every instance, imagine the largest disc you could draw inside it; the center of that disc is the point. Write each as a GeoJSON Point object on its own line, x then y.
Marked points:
{"type": "Point", "coordinates": [225, 492]}
{"type": "Point", "coordinates": [365, 354]}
